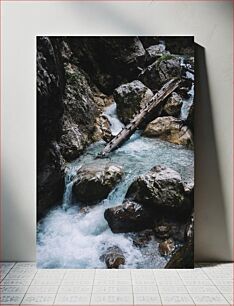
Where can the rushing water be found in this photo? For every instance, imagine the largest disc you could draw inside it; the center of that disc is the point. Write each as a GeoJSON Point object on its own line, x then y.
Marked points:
{"type": "Point", "coordinates": [74, 237]}
{"type": "Point", "coordinates": [71, 237]}
{"type": "Point", "coordinates": [187, 102]}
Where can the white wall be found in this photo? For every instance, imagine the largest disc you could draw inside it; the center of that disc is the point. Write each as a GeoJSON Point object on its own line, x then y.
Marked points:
{"type": "Point", "coordinates": [211, 24]}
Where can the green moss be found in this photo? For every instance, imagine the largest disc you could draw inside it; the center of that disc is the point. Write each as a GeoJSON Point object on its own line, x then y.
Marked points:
{"type": "Point", "coordinates": [165, 57]}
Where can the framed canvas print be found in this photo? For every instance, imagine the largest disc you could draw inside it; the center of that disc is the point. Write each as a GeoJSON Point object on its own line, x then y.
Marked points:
{"type": "Point", "coordinates": [115, 152]}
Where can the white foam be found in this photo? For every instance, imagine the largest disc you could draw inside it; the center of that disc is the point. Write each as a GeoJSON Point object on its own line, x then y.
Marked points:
{"type": "Point", "coordinates": [72, 239]}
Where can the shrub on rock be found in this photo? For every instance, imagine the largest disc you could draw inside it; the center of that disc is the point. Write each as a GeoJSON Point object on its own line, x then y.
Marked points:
{"type": "Point", "coordinates": [161, 71]}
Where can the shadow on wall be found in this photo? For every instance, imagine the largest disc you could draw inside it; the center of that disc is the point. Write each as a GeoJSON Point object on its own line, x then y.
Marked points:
{"type": "Point", "coordinates": [211, 232]}
{"type": "Point", "coordinates": [18, 221]}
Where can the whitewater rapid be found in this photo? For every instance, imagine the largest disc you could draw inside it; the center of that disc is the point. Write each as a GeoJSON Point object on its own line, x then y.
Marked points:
{"type": "Point", "coordinates": [74, 237]}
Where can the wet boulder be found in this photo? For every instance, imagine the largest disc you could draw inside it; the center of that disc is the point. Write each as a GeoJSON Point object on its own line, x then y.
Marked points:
{"type": "Point", "coordinates": [183, 258]}
{"type": "Point", "coordinates": [161, 191]}
{"type": "Point", "coordinates": [165, 229]}
{"type": "Point", "coordinates": [142, 239]}
{"type": "Point", "coordinates": [113, 257]}
{"type": "Point", "coordinates": [130, 98]}
{"type": "Point", "coordinates": [93, 183]}
{"type": "Point", "coordinates": [166, 247]}
{"type": "Point", "coordinates": [161, 71]}
{"type": "Point", "coordinates": [128, 217]}
{"type": "Point", "coordinates": [162, 231]}
{"type": "Point", "coordinates": [102, 129]}
{"type": "Point", "coordinates": [155, 51]}
{"type": "Point", "coordinates": [170, 129]}
{"type": "Point", "coordinates": [173, 105]}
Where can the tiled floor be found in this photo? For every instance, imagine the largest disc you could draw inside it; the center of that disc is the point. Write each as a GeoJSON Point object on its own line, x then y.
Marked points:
{"type": "Point", "coordinates": [207, 284]}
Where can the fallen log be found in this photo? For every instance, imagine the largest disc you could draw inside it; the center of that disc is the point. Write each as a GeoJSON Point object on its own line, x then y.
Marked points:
{"type": "Point", "coordinates": [147, 114]}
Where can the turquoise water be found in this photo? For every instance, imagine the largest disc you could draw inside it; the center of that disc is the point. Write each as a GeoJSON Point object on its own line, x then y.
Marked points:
{"type": "Point", "coordinates": [71, 237]}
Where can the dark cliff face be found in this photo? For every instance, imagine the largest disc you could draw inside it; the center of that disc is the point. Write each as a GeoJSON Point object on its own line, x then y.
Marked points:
{"type": "Point", "coordinates": [50, 88]}
{"type": "Point", "coordinates": [109, 61]}
{"type": "Point", "coordinates": [66, 114]}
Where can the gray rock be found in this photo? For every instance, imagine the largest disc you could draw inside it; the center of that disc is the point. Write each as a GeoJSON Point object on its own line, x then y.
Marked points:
{"type": "Point", "coordinates": [113, 257]}
{"type": "Point", "coordinates": [173, 105]}
{"type": "Point", "coordinates": [183, 258]}
{"type": "Point", "coordinates": [161, 71]}
{"type": "Point", "coordinates": [170, 129]}
{"type": "Point", "coordinates": [130, 98]}
{"type": "Point", "coordinates": [93, 183]}
{"type": "Point", "coordinates": [79, 114]}
{"type": "Point", "coordinates": [155, 51]}
{"type": "Point", "coordinates": [166, 247]}
{"type": "Point", "coordinates": [128, 217]}
{"type": "Point", "coordinates": [162, 231]}
{"type": "Point", "coordinates": [143, 238]}
{"type": "Point", "coordinates": [162, 192]}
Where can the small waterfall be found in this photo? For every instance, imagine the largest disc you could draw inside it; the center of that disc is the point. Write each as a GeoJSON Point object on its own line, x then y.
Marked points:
{"type": "Point", "coordinates": [69, 180]}
{"type": "Point", "coordinates": [187, 103]}
{"type": "Point", "coordinates": [115, 124]}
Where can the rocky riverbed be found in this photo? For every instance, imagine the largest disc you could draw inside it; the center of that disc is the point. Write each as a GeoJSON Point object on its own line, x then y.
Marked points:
{"type": "Point", "coordinates": [133, 209]}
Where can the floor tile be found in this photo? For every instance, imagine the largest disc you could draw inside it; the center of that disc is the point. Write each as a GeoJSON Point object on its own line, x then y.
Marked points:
{"type": "Point", "coordinates": [64, 289]}
{"type": "Point", "coordinates": [176, 299]}
{"type": "Point", "coordinates": [38, 299]}
{"type": "Point", "coordinates": [202, 289]}
{"type": "Point", "coordinates": [26, 264]}
{"type": "Point", "coordinates": [78, 281]}
{"type": "Point", "coordinates": [43, 289]}
{"type": "Point", "coordinates": [19, 276]}
{"type": "Point", "coordinates": [3, 275]}
{"type": "Point", "coordinates": [171, 289]}
{"type": "Point", "coordinates": [16, 282]}
{"type": "Point", "coordinates": [72, 299]}
{"type": "Point", "coordinates": [229, 298]}
{"type": "Point", "coordinates": [13, 289]}
{"type": "Point", "coordinates": [222, 282]}
{"type": "Point", "coordinates": [145, 289]}
{"type": "Point", "coordinates": [225, 289]}
{"type": "Point", "coordinates": [143, 282]}
{"type": "Point", "coordinates": [209, 299]}
{"type": "Point", "coordinates": [114, 282]}
{"type": "Point", "coordinates": [113, 277]}
{"type": "Point", "coordinates": [196, 282]}
{"type": "Point", "coordinates": [11, 299]}
{"type": "Point", "coordinates": [46, 282]}
{"type": "Point", "coordinates": [75, 277]}
{"type": "Point", "coordinates": [169, 282]}
{"type": "Point", "coordinates": [112, 289]}
{"type": "Point", "coordinates": [147, 299]}
{"type": "Point", "coordinates": [7, 264]}
{"type": "Point", "coordinates": [112, 299]}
